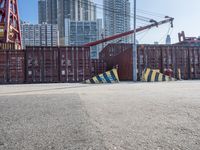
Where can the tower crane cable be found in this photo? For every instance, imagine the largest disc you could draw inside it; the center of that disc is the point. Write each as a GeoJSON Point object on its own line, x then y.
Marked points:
{"type": "Point", "coordinates": [108, 9]}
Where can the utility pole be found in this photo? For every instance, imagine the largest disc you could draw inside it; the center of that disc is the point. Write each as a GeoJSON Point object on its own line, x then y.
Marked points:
{"type": "Point", "coordinates": [134, 47]}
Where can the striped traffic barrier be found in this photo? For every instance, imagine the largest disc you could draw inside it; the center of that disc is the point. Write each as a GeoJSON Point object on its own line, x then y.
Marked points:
{"type": "Point", "coordinates": [150, 75]}
{"type": "Point", "coordinates": [107, 77]}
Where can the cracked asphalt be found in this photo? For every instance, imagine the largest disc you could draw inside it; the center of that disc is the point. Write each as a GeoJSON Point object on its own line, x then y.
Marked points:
{"type": "Point", "coordinates": [125, 116]}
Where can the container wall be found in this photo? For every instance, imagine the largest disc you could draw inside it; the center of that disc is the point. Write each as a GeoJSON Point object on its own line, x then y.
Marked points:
{"type": "Point", "coordinates": [51, 65]}
{"type": "Point", "coordinates": [12, 67]}
{"type": "Point", "coordinates": [194, 62]}
{"type": "Point", "coordinates": [124, 64]}
{"type": "Point", "coordinates": [42, 65]}
{"type": "Point", "coordinates": [184, 61]}
{"type": "Point", "coordinates": [16, 71]}
{"type": "Point", "coordinates": [3, 67]}
{"type": "Point", "coordinates": [149, 57]}
{"type": "Point", "coordinates": [98, 66]}
{"type": "Point", "coordinates": [74, 64]}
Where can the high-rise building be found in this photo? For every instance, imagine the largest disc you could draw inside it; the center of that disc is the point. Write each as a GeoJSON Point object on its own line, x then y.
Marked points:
{"type": "Point", "coordinates": [116, 17]}
{"type": "Point", "coordinates": [76, 10]}
{"type": "Point", "coordinates": [39, 35]}
{"type": "Point", "coordinates": [81, 32]}
{"type": "Point", "coordinates": [168, 39]}
{"type": "Point", "coordinates": [42, 11]}
{"type": "Point", "coordinates": [51, 6]}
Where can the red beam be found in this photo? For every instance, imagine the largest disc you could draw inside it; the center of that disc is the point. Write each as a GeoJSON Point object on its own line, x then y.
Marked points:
{"type": "Point", "coordinates": [156, 24]}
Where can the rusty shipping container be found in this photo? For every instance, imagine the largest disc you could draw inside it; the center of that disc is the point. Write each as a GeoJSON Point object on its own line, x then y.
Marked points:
{"type": "Point", "coordinates": [98, 66]}
{"type": "Point", "coordinates": [194, 62]}
{"type": "Point", "coordinates": [42, 65]}
{"type": "Point", "coordinates": [48, 65]}
{"type": "Point", "coordinates": [12, 68]}
{"type": "Point", "coordinates": [74, 64]}
{"type": "Point", "coordinates": [57, 64]}
{"type": "Point", "coordinates": [183, 59]}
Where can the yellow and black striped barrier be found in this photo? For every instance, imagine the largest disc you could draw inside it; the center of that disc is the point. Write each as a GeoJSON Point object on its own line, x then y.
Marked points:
{"type": "Point", "coordinates": [150, 75]}
{"type": "Point", "coordinates": [107, 77]}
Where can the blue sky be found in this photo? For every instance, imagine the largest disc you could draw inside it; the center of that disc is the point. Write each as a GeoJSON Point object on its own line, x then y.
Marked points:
{"type": "Point", "coordinates": [185, 12]}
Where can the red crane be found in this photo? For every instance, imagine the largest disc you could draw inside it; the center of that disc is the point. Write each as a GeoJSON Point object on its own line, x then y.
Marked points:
{"type": "Point", "coordinates": [9, 22]}
{"type": "Point", "coordinates": [154, 24]}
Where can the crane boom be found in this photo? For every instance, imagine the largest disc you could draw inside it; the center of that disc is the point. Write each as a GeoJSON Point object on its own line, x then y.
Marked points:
{"type": "Point", "coordinates": [154, 24]}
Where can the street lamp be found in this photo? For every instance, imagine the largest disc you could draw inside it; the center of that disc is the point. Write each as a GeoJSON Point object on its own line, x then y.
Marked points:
{"type": "Point", "coordinates": [134, 47]}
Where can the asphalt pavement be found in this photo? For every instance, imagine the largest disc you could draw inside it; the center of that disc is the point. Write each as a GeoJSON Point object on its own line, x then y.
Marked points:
{"type": "Point", "coordinates": [125, 116]}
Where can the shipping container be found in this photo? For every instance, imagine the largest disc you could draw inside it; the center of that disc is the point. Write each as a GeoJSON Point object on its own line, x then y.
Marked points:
{"type": "Point", "coordinates": [12, 68]}
{"type": "Point", "coordinates": [42, 65]}
{"type": "Point", "coordinates": [194, 62]}
{"type": "Point", "coordinates": [184, 61]}
{"type": "Point", "coordinates": [3, 66]}
{"type": "Point", "coordinates": [74, 64]}
{"type": "Point", "coordinates": [46, 65]}
{"type": "Point", "coordinates": [149, 57]}
{"type": "Point", "coordinates": [98, 66]}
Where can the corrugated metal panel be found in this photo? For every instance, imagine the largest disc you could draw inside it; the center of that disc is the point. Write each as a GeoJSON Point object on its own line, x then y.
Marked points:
{"type": "Point", "coordinates": [12, 66]}
{"type": "Point", "coordinates": [74, 64]}
{"type": "Point", "coordinates": [16, 68]}
{"type": "Point", "coordinates": [57, 64]}
{"type": "Point", "coordinates": [42, 65]}
{"type": "Point", "coordinates": [3, 66]}
{"type": "Point", "coordinates": [98, 66]}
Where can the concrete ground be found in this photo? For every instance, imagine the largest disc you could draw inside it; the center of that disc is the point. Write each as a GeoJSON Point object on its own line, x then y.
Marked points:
{"type": "Point", "coordinates": [125, 116]}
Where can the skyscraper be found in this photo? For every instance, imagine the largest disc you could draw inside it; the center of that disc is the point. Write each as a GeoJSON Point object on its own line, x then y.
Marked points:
{"type": "Point", "coordinates": [116, 17]}
{"type": "Point", "coordinates": [168, 39]}
{"type": "Point", "coordinates": [51, 6]}
{"type": "Point", "coordinates": [75, 10]}
{"type": "Point", "coordinates": [81, 32]}
{"type": "Point", "coordinates": [41, 11]}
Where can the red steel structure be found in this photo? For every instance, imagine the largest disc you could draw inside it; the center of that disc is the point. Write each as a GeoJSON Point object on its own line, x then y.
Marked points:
{"type": "Point", "coordinates": [113, 37]}
{"type": "Point", "coordinates": [9, 22]}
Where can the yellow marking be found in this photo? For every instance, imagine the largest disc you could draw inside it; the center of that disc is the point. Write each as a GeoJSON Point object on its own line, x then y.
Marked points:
{"type": "Point", "coordinates": [146, 74]}
{"type": "Point", "coordinates": [179, 74]}
{"type": "Point", "coordinates": [116, 74]}
{"type": "Point", "coordinates": [95, 80]}
{"type": "Point", "coordinates": [153, 76]}
{"type": "Point", "coordinates": [160, 77]}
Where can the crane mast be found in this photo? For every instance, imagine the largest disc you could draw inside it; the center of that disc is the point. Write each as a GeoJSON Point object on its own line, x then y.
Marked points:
{"type": "Point", "coordinates": [9, 22]}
